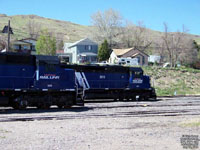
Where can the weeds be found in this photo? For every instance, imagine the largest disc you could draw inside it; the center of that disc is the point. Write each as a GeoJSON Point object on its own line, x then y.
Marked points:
{"type": "Point", "coordinates": [192, 124]}
{"type": "Point", "coordinates": [174, 81]}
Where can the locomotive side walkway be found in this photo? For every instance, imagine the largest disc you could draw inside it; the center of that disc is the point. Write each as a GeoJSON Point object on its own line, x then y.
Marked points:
{"type": "Point", "coordinates": [162, 124]}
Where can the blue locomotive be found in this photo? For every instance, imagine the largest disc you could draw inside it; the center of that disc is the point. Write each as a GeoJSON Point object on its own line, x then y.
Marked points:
{"type": "Point", "coordinates": [40, 81]}
{"type": "Point", "coordinates": [113, 82]}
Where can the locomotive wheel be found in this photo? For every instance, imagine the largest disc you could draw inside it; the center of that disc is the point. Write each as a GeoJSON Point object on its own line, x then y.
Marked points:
{"type": "Point", "coordinates": [18, 103]}
{"type": "Point", "coordinates": [67, 106]}
{"type": "Point", "coordinates": [18, 106]}
{"type": "Point", "coordinates": [60, 106]}
{"type": "Point", "coordinates": [115, 99]}
{"type": "Point", "coordinates": [45, 102]}
{"type": "Point", "coordinates": [146, 98]}
{"type": "Point", "coordinates": [141, 98]}
{"type": "Point", "coordinates": [121, 97]}
{"type": "Point", "coordinates": [43, 106]}
{"type": "Point", "coordinates": [133, 98]}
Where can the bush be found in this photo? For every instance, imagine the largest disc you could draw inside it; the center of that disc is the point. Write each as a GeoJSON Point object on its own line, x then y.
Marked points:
{"type": "Point", "coordinates": [196, 65]}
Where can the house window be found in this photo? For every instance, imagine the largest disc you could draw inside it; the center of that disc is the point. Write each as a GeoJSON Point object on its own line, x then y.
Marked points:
{"type": "Point", "coordinates": [16, 47]}
{"type": "Point", "coordinates": [138, 59]}
{"type": "Point", "coordinates": [64, 59]}
{"type": "Point", "coordinates": [89, 47]}
{"type": "Point", "coordinates": [143, 60]}
{"type": "Point", "coordinates": [93, 58]}
{"type": "Point", "coordinates": [25, 47]}
{"type": "Point", "coordinates": [33, 48]}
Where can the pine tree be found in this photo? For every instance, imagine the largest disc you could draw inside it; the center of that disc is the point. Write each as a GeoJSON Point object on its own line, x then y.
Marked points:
{"type": "Point", "coordinates": [104, 51]}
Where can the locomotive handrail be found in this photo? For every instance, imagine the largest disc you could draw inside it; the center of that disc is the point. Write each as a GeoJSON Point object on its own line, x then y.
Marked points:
{"type": "Point", "coordinates": [14, 77]}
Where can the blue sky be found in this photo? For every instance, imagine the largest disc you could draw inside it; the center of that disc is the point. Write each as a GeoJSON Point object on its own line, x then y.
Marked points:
{"type": "Point", "coordinates": [152, 12]}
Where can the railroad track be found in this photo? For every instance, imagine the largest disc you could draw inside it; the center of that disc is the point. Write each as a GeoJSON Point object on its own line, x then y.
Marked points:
{"type": "Point", "coordinates": [106, 110]}
{"type": "Point", "coordinates": [30, 117]}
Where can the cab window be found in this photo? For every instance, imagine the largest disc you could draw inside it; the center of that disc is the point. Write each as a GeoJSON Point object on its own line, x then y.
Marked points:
{"type": "Point", "coordinates": [50, 68]}
{"type": "Point", "coordinates": [137, 74]}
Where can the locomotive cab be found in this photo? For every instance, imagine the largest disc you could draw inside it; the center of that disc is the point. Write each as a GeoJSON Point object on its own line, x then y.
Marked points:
{"type": "Point", "coordinates": [57, 83]}
{"type": "Point", "coordinates": [137, 80]}
{"type": "Point", "coordinates": [50, 76]}
{"type": "Point", "coordinates": [141, 84]}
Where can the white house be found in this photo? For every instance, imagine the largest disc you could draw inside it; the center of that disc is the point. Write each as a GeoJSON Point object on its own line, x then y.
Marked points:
{"type": "Point", "coordinates": [154, 58]}
{"type": "Point", "coordinates": [25, 45]}
{"type": "Point", "coordinates": [129, 55]}
{"type": "Point", "coordinates": [83, 51]}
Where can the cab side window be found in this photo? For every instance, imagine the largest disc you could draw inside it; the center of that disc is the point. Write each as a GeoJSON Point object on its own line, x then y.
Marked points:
{"type": "Point", "coordinates": [50, 68]}
{"type": "Point", "coordinates": [137, 74]}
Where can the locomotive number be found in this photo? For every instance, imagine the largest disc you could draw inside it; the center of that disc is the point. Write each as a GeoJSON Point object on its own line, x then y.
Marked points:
{"type": "Point", "coordinates": [102, 76]}
{"type": "Point", "coordinates": [137, 81]}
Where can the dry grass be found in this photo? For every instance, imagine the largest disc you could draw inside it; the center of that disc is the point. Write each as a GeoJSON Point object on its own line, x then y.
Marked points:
{"type": "Point", "coordinates": [180, 81]}
{"type": "Point", "coordinates": [71, 31]}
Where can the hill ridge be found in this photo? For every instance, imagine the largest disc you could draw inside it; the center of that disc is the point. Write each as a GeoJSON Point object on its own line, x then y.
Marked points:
{"type": "Point", "coordinates": [70, 31]}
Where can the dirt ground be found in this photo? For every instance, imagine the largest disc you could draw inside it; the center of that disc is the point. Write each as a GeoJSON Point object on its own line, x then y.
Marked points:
{"type": "Point", "coordinates": [160, 125]}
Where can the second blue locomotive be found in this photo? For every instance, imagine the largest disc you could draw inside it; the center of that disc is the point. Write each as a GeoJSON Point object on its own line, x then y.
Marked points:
{"type": "Point", "coordinates": [113, 82]}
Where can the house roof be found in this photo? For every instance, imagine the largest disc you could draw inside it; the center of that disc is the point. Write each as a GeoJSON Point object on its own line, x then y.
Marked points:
{"type": "Point", "coordinates": [21, 42]}
{"type": "Point", "coordinates": [28, 39]}
{"type": "Point", "coordinates": [135, 54]}
{"type": "Point", "coordinates": [85, 41]}
{"type": "Point", "coordinates": [129, 52]}
{"type": "Point", "coordinates": [25, 41]}
{"type": "Point", "coordinates": [120, 52]}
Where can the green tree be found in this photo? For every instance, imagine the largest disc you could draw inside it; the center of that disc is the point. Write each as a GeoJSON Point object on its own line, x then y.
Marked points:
{"type": "Point", "coordinates": [104, 51]}
{"type": "Point", "coordinates": [46, 44]}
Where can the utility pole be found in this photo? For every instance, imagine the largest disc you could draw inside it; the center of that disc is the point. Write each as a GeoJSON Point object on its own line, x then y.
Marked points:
{"type": "Point", "coordinates": [8, 35]}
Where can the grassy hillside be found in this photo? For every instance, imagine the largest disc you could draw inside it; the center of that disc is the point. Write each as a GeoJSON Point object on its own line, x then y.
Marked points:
{"type": "Point", "coordinates": [71, 32]}
{"type": "Point", "coordinates": [182, 81]}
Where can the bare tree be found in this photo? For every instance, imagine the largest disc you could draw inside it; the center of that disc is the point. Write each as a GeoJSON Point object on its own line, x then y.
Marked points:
{"type": "Point", "coordinates": [59, 41]}
{"type": "Point", "coordinates": [128, 35]}
{"type": "Point", "coordinates": [136, 36]}
{"type": "Point", "coordinates": [189, 54]}
{"type": "Point", "coordinates": [167, 43]}
{"type": "Point", "coordinates": [176, 44]}
{"type": "Point", "coordinates": [3, 42]}
{"type": "Point", "coordinates": [108, 24]}
{"type": "Point", "coordinates": [160, 49]}
{"type": "Point", "coordinates": [33, 29]}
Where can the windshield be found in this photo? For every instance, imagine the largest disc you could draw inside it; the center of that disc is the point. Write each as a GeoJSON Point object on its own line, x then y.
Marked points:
{"type": "Point", "coordinates": [137, 74]}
